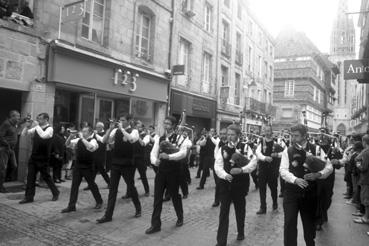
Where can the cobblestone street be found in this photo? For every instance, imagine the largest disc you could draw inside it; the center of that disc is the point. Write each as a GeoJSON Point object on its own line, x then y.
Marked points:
{"type": "Point", "coordinates": [41, 223]}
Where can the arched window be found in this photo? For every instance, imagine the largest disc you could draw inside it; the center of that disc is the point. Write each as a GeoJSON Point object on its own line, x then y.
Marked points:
{"type": "Point", "coordinates": [341, 129]}
{"type": "Point", "coordinates": [145, 29]}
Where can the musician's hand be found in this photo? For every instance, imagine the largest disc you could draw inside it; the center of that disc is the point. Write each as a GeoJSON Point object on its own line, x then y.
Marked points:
{"type": "Point", "coordinates": [268, 159]}
{"type": "Point", "coordinates": [308, 154]}
{"type": "Point", "coordinates": [312, 176]}
{"type": "Point", "coordinates": [112, 125]}
{"type": "Point", "coordinates": [301, 183]}
{"type": "Point", "coordinates": [235, 171]}
{"type": "Point", "coordinates": [163, 156]}
{"type": "Point", "coordinates": [335, 162]}
{"type": "Point", "coordinates": [229, 178]}
{"type": "Point", "coordinates": [274, 155]}
{"type": "Point", "coordinates": [157, 163]}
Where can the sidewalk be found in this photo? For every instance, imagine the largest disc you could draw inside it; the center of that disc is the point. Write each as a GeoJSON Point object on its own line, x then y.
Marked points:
{"type": "Point", "coordinates": [41, 223]}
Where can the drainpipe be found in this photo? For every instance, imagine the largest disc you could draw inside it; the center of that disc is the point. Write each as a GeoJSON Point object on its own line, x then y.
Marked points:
{"type": "Point", "coordinates": [170, 76]}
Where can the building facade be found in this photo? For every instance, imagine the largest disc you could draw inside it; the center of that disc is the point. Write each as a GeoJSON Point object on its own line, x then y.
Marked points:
{"type": "Point", "coordinates": [112, 61]}
{"type": "Point", "coordinates": [304, 82]}
{"type": "Point", "coordinates": [342, 47]}
{"type": "Point", "coordinates": [245, 68]}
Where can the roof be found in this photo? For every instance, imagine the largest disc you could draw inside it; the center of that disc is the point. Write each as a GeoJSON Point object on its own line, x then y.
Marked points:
{"type": "Point", "coordinates": [290, 43]}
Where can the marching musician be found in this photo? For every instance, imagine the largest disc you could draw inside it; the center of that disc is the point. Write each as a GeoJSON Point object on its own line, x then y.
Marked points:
{"type": "Point", "coordinates": [301, 186]}
{"type": "Point", "coordinates": [183, 139]}
{"type": "Point", "coordinates": [269, 161]}
{"type": "Point", "coordinates": [207, 144]}
{"type": "Point", "coordinates": [168, 175]}
{"type": "Point", "coordinates": [284, 141]}
{"type": "Point", "coordinates": [234, 184]}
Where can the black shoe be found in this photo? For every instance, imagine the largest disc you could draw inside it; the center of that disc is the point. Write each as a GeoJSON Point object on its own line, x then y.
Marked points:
{"type": "Point", "coordinates": [62, 180]}
{"type": "Point", "coordinates": [138, 214]}
{"type": "Point", "coordinates": [152, 230]}
{"type": "Point", "coordinates": [147, 194]}
{"type": "Point", "coordinates": [126, 196]}
{"type": "Point", "coordinates": [57, 181]}
{"type": "Point", "coordinates": [104, 219]}
{"type": "Point", "coordinates": [3, 190]}
{"type": "Point", "coordinates": [280, 195]}
{"type": "Point", "coordinates": [55, 197]}
{"type": "Point", "coordinates": [86, 188]}
{"type": "Point", "coordinates": [275, 207]}
{"type": "Point", "coordinates": [179, 223]}
{"type": "Point", "coordinates": [197, 176]}
{"type": "Point", "coordinates": [25, 200]}
{"type": "Point", "coordinates": [98, 205]}
{"type": "Point", "coordinates": [68, 210]}
{"type": "Point", "coordinates": [348, 197]}
{"type": "Point", "coordinates": [215, 204]}
{"type": "Point", "coordinates": [167, 198]}
{"type": "Point", "coordinates": [185, 196]}
{"type": "Point", "coordinates": [200, 188]}
{"type": "Point", "coordinates": [240, 237]}
{"type": "Point", "coordinates": [261, 211]}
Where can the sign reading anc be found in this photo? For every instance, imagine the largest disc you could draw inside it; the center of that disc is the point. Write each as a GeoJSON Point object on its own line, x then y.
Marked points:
{"type": "Point", "coordinates": [356, 69]}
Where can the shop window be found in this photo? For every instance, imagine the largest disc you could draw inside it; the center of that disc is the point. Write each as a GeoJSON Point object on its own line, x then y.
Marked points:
{"type": "Point", "coordinates": [18, 11]}
{"type": "Point", "coordinates": [144, 33]}
{"type": "Point", "coordinates": [93, 22]}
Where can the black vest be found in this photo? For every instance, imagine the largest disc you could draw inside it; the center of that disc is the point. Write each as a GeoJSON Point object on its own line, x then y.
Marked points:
{"type": "Point", "coordinates": [267, 152]}
{"type": "Point", "coordinates": [123, 150]}
{"type": "Point", "coordinates": [167, 165]}
{"type": "Point", "coordinates": [208, 149]}
{"type": "Point", "coordinates": [138, 150]}
{"type": "Point", "coordinates": [240, 181]}
{"type": "Point", "coordinates": [299, 171]}
{"type": "Point", "coordinates": [41, 147]}
{"type": "Point", "coordinates": [85, 158]}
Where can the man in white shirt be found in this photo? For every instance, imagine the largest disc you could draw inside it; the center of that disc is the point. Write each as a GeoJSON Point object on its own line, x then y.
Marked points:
{"type": "Point", "coordinates": [168, 175]}
{"type": "Point", "coordinates": [42, 134]}
{"type": "Point", "coordinates": [220, 142]}
{"type": "Point", "coordinates": [234, 184]}
{"type": "Point", "coordinates": [301, 187]}
{"type": "Point", "coordinates": [85, 145]}
{"type": "Point", "coordinates": [183, 139]}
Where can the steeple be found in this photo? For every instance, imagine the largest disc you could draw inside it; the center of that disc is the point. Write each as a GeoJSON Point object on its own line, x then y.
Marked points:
{"type": "Point", "coordinates": [343, 32]}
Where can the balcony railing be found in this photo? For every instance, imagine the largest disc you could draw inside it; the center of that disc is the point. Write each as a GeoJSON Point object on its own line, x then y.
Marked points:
{"type": "Point", "coordinates": [252, 104]}
{"type": "Point", "coordinates": [239, 57]}
{"type": "Point", "coordinates": [226, 48]}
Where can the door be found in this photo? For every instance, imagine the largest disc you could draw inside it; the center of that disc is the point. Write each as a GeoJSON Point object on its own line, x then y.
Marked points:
{"type": "Point", "coordinates": [87, 109]}
{"type": "Point", "coordinates": [104, 109]}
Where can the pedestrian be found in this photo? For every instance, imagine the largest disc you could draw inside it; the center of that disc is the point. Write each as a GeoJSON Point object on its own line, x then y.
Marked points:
{"type": "Point", "coordinates": [122, 136]}
{"type": "Point", "coordinates": [99, 155]}
{"type": "Point", "coordinates": [42, 134]}
{"type": "Point", "coordinates": [268, 161]}
{"type": "Point", "coordinates": [183, 139]}
{"type": "Point", "coordinates": [85, 145]}
{"type": "Point", "coordinates": [57, 158]}
{"type": "Point", "coordinates": [300, 193]}
{"type": "Point", "coordinates": [8, 139]}
{"type": "Point", "coordinates": [207, 143]}
{"type": "Point", "coordinates": [203, 136]}
{"type": "Point", "coordinates": [363, 166]}
{"type": "Point", "coordinates": [221, 141]}
{"type": "Point", "coordinates": [168, 175]}
{"type": "Point", "coordinates": [234, 184]}
{"type": "Point", "coordinates": [360, 209]}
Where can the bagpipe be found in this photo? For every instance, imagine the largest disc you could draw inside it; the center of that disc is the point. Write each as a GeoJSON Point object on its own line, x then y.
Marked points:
{"type": "Point", "coordinates": [312, 163]}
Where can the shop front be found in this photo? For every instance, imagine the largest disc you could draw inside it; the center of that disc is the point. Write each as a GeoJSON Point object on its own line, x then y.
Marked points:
{"type": "Point", "coordinates": [91, 88]}
{"type": "Point", "coordinates": [200, 112]}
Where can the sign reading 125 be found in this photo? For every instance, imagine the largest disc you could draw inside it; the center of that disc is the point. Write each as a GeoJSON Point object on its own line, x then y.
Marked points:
{"type": "Point", "coordinates": [74, 11]}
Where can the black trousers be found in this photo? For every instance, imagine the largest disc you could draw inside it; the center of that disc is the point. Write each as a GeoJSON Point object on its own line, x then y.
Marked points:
{"type": "Point", "coordinates": [141, 168]}
{"type": "Point", "coordinates": [237, 196]}
{"type": "Point", "coordinates": [293, 203]}
{"type": "Point", "coordinates": [34, 167]}
{"type": "Point", "coordinates": [254, 176]}
{"type": "Point", "coordinates": [201, 165]}
{"type": "Point", "coordinates": [185, 177]}
{"type": "Point", "coordinates": [127, 171]}
{"type": "Point", "coordinates": [99, 166]}
{"type": "Point", "coordinates": [217, 187]}
{"type": "Point", "coordinates": [56, 165]}
{"type": "Point", "coordinates": [282, 183]}
{"type": "Point", "coordinates": [208, 163]}
{"type": "Point", "coordinates": [166, 180]}
{"type": "Point", "coordinates": [88, 174]}
{"type": "Point", "coordinates": [325, 193]}
{"type": "Point", "coordinates": [268, 175]}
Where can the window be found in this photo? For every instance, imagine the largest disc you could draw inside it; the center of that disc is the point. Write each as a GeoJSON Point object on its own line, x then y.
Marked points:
{"type": "Point", "coordinates": [187, 5]}
{"type": "Point", "coordinates": [227, 3]}
{"type": "Point", "coordinates": [224, 75]}
{"type": "Point", "coordinates": [18, 11]}
{"type": "Point", "coordinates": [208, 18]}
{"type": "Point", "coordinates": [250, 58]}
{"type": "Point", "coordinates": [226, 31]}
{"type": "Point", "coordinates": [270, 98]}
{"type": "Point", "coordinates": [271, 50]}
{"type": "Point", "coordinates": [260, 66]}
{"type": "Point", "coordinates": [143, 35]}
{"type": "Point", "coordinates": [271, 73]}
{"type": "Point", "coordinates": [93, 22]}
{"type": "Point", "coordinates": [237, 89]}
{"type": "Point", "coordinates": [314, 93]}
{"type": "Point", "coordinates": [266, 69]}
{"type": "Point", "coordinates": [206, 71]}
{"type": "Point", "coordinates": [184, 59]}
{"type": "Point", "coordinates": [259, 95]}
{"type": "Point", "coordinates": [238, 48]}
{"type": "Point", "coordinates": [239, 9]}
{"type": "Point", "coordinates": [251, 27]}
{"type": "Point", "coordinates": [287, 112]}
{"type": "Point", "coordinates": [289, 88]}
{"type": "Point", "coordinates": [226, 47]}
{"type": "Point", "coordinates": [265, 96]}
{"type": "Point", "coordinates": [319, 95]}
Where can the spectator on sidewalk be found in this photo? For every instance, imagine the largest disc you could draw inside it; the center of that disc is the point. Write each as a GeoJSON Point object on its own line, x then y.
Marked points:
{"type": "Point", "coordinates": [207, 143]}
{"type": "Point", "coordinates": [363, 166]}
{"type": "Point", "coordinates": [57, 158]}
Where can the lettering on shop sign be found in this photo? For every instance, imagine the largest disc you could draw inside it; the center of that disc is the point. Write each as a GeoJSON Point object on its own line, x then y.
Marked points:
{"type": "Point", "coordinates": [126, 78]}
{"type": "Point", "coordinates": [356, 69]}
{"type": "Point", "coordinates": [199, 105]}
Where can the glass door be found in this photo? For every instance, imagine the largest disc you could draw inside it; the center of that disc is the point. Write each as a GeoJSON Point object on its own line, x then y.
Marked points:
{"type": "Point", "coordinates": [104, 109]}
{"type": "Point", "coordinates": [87, 109]}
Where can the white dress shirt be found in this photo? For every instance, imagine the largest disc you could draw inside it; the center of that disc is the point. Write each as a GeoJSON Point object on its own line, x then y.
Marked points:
{"type": "Point", "coordinates": [219, 164]}
{"type": "Point", "coordinates": [44, 132]}
{"type": "Point", "coordinates": [291, 178]}
{"type": "Point", "coordinates": [91, 145]}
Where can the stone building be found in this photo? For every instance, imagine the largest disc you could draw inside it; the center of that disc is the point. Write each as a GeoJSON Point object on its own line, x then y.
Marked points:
{"type": "Point", "coordinates": [304, 82]}
{"type": "Point", "coordinates": [342, 48]}
{"type": "Point", "coordinates": [114, 60]}
{"type": "Point", "coordinates": [245, 67]}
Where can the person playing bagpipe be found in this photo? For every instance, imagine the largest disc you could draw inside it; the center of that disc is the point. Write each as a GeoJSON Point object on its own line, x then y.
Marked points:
{"type": "Point", "coordinates": [284, 141]}
{"type": "Point", "coordinates": [233, 168]}
{"type": "Point", "coordinates": [301, 166]}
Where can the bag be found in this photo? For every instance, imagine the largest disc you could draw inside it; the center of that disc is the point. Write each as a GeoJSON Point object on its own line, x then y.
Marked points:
{"type": "Point", "coordinates": [314, 164]}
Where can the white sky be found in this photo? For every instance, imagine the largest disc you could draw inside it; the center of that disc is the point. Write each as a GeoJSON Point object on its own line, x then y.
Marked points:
{"type": "Point", "coordinates": [314, 17]}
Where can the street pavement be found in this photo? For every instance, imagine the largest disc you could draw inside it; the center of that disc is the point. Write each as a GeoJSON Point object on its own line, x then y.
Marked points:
{"type": "Point", "coordinates": [41, 223]}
